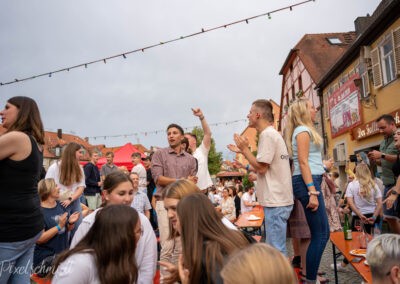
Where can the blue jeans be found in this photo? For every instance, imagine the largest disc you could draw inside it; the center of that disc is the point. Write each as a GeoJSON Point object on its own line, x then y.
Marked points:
{"type": "Point", "coordinates": [75, 206]}
{"type": "Point", "coordinates": [275, 226]}
{"type": "Point", "coordinates": [317, 222]}
{"type": "Point", "coordinates": [16, 261]}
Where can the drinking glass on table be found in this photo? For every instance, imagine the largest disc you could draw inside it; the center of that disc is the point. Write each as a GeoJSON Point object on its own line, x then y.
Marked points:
{"type": "Point", "coordinates": [358, 225]}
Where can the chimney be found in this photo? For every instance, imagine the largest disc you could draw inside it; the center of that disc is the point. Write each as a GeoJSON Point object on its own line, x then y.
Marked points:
{"type": "Point", "coordinates": [361, 23]}
{"type": "Point", "coordinates": [59, 133]}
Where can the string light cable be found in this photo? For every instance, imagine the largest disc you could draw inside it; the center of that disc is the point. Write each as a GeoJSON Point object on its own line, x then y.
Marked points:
{"type": "Point", "coordinates": [124, 55]}
{"type": "Point", "coordinates": [162, 131]}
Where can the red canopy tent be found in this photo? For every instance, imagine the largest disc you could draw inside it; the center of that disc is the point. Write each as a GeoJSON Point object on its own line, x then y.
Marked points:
{"type": "Point", "coordinates": [122, 157]}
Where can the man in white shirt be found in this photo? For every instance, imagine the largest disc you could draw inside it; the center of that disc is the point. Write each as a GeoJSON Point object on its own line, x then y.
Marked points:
{"type": "Point", "coordinates": [248, 201]}
{"type": "Point", "coordinates": [274, 183]}
{"type": "Point", "coordinates": [140, 170]}
{"type": "Point", "coordinates": [201, 153]}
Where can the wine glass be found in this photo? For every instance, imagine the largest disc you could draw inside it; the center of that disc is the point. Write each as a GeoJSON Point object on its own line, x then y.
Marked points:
{"type": "Point", "coordinates": [358, 225]}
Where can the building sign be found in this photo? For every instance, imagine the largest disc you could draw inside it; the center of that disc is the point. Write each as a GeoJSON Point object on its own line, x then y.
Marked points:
{"type": "Point", "coordinates": [371, 128]}
{"type": "Point", "coordinates": [345, 107]}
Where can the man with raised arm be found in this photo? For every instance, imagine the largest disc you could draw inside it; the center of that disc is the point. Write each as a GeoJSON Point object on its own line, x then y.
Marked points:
{"type": "Point", "coordinates": [201, 153]}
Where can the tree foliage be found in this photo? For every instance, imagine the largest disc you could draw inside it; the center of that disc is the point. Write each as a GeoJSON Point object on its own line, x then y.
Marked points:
{"type": "Point", "coordinates": [214, 157]}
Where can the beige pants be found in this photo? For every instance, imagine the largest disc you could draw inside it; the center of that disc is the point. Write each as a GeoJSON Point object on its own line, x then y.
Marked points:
{"type": "Point", "coordinates": [93, 201]}
{"type": "Point", "coordinates": [163, 226]}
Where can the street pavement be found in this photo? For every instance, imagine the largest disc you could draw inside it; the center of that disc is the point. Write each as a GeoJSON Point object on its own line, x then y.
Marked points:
{"type": "Point", "coordinates": [349, 276]}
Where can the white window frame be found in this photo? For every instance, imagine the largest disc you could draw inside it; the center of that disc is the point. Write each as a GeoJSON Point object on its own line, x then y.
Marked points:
{"type": "Point", "coordinates": [387, 60]}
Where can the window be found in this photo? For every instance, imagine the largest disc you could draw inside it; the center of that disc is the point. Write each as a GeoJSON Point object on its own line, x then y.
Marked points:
{"type": "Point", "coordinates": [387, 60]}
{"type": "Point", "coordinates": [364, 86]}
{"type": "Point", "coordinates": [334, 40]}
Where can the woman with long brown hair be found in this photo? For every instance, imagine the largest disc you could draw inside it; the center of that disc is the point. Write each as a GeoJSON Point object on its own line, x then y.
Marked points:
{"type": "Point", "coordinates": [118, 190]}
{"type": "Point", "coordinates": [206, 242]}
{"type": "Point", "coordinates": [21, 160]}
{"type": "Point", "coordinates": [107, 253]}
{"type": "Point", "coordinates": [69, 176]}
{"type": "Point", "coordinates": [173, 247]}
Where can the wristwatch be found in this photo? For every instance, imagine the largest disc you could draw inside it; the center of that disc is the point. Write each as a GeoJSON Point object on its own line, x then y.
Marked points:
{"type": "Point", "coordinates": [70, 198]}
{"type": "Point", "coordinates": [383, 156]}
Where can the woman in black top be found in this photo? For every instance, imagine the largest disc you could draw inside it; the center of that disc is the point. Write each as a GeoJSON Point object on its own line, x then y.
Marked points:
{"type": "Point", "coordinates": [21, 159]}
{"type": "Point", "coordinates": [236, 199]}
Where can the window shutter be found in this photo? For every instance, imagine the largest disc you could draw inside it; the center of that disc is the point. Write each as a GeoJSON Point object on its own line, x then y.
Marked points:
{"type": "Point", "coordinates": [365, 81]}
{"type": "Point", "coordinates": [376, 68]}
{"type": "Point", "coordinates": [396, 49]}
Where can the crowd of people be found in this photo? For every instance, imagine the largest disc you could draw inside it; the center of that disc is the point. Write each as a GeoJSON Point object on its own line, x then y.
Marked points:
{"type": "Point", "coordinates": [89, 225]}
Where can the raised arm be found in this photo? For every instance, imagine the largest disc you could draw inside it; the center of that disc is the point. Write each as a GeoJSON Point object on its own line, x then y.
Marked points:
{"type": "Point", "coordinates": [206, 128]}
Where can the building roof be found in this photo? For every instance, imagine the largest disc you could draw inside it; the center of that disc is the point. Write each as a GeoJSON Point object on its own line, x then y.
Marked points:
{"type": "Point", "coordinates": [386, 13]}
{"type": "Point", "coordinates": [51, 141]}
{"type": "Point", "coordinates": [317, 53]}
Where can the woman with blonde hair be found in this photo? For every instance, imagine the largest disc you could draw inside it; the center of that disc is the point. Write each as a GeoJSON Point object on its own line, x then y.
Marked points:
{"type": "Point", "coordinates": [21, 161]}
{"type": "Point", "coordinates": [258, 263]}
{"type": "Point", "coordinates": [364, 198]}
{"type": "Point", "coordinates": [304, 145]}
{"type": "Point", "coordinates": [69, 176]}
{"type": "Point", "coordinates": [57, 223]}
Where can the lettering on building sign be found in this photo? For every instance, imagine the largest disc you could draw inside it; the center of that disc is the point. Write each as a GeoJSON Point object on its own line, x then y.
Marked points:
{"type": "Point", "coordinates": [371, 128]}
{"type": "Point", "coordinates": [367, 130]}
{"type": "Point", "coordinates": [397, 118]}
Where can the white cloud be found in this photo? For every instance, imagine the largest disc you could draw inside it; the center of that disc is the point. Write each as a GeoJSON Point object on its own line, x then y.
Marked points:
{"type": "Point", "coordinates": [222, 72]}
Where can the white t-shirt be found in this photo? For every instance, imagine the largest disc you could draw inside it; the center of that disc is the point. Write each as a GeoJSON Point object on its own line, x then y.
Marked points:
{"type": "Point", "coordinates": [141, 171]}
{"type": "Point", "coordinates": [65, 191]}
{"type": "Point", "coordinates": [228, 224]}
{"type": "Point", "coordinates": [246, 197]}
{"type": "Point", "coordinates": [204, 179]}
{"type": "Point", "coordinates": [146, 250]}
{"type": "Point", "coordinates": [79, 268]}
{"type": "Point", "coordinates": [274, 188]}
{"type": "Point", "coordinates": [365, 206]}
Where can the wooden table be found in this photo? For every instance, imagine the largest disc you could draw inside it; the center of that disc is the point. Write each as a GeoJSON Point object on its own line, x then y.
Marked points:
{"type": "Point", "coordinates": [243, 221]}
{"type": "Point", "coordinates": [345, 246]}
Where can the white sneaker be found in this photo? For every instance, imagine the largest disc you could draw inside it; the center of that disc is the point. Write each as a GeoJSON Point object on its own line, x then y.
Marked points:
{"type": "Point", "coordinates": [339, 267]}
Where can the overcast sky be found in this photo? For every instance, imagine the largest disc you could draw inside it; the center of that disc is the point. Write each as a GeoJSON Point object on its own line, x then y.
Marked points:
{"type": "Point", "coordinates": [221, 72]}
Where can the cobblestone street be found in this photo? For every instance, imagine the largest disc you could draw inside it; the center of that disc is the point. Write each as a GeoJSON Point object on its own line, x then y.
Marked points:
{"type": "Point", "coordinates": [349, 276]}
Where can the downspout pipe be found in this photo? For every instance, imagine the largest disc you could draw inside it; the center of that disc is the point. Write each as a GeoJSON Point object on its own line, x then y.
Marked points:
{"type": "Point", "coordinates": [325, 138]}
